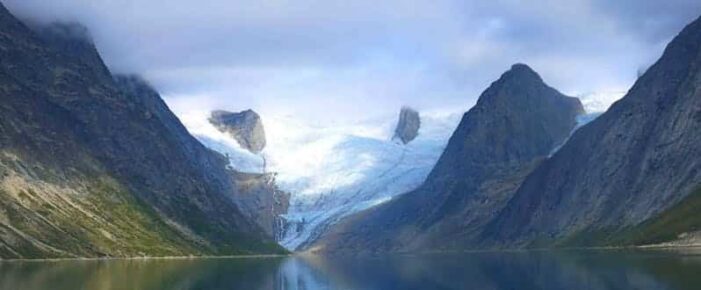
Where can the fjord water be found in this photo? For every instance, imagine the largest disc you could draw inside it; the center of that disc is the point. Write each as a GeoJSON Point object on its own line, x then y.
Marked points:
{"type": "Point", "coordinates": [606, 269]}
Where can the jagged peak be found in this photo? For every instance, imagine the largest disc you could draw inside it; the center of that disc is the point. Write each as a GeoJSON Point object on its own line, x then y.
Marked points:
{"type": "Point", "coordinates": [225, 113]}
{"type": "Point", "coordinates": [246, 127]}
{"type": "Point", "coordinates": [512, 85]}
{"type": "Point", "coordinates": [679, 58]}
{"type": "Point", "coordinates": [408, 125]}
{"type": "Point", "coordinates": [521, 72]}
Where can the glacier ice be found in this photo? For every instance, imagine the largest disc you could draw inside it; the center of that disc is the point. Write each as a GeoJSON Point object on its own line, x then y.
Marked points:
{"type": "Point", "coordinates": [333, 170]}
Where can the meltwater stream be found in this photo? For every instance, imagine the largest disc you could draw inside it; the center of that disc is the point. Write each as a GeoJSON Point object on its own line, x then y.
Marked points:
{"type": "Point", "coordinates": [612, 269]}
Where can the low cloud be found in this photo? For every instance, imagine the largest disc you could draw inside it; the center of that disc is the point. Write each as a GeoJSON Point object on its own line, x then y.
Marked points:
{"type": "Point", "coordinates": [339, 59]}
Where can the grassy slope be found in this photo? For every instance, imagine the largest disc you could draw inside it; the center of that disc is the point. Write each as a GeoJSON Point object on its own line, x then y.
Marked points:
{"type": "Point", "coordinates": [681, 218]}
{"type": "Point", "coordinates": [48, 214]}
{"type": "Point", "coordinates": [87, 221]}
{"type": "Point", "coordinates": [667, 226]}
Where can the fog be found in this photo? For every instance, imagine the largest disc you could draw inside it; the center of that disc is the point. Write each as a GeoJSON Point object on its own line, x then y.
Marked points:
{"type": "Point", "coordinates": [343, 60]}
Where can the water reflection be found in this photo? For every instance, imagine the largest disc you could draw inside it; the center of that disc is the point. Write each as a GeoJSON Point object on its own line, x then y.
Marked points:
{"type": "Point", "coordinates": [513, 270]}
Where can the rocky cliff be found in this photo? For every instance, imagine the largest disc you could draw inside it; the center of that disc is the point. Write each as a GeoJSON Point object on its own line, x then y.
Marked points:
{"type": "Point", "coordinates": [515, 124]}
{"type": "Point", "coordinates": [262, 201]}
{"type": "Point", "coordinates": [633, 163]}
{"type": "Point", "coordinates": [92, 165]}
{"type": "Point", "coordinates": [408, 125]}
{"type": "Point", "coordinates": [245, 127]}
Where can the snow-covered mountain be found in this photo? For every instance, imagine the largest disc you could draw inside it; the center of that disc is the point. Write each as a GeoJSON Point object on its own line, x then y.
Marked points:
{"type": "Point", "coordinates": [334, 170]}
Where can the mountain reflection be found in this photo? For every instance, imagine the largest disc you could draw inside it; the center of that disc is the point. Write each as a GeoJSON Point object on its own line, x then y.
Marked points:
{"type": "Point", "coordinates": [503, 270]}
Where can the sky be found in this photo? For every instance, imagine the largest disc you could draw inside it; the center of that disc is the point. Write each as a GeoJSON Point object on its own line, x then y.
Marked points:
{"type": "Point", "coordinates": [344, 60]}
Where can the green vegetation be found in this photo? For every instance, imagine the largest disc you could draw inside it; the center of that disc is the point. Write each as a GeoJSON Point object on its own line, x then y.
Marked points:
{"type": "Point", "coordinates": [667, 226]}
{"type": "Point", "coordinates": [684, 217]}
{"type": "Point", "coordinates": [104, 219]}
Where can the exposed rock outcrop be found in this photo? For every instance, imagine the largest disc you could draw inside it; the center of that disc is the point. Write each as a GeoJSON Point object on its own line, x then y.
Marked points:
{"type": "Point", "coordinates": [637, 160]}
{"type": "Point", "coordinates": [245, 127]}
{"type": "Point", "coordinates": [408, 125]}
{"type": "Point", "coordinates": [262, 201]}
{"type": "Point", "coordinates": [92, 165]}
{"type": "Point", "coordinates": [516, 122]}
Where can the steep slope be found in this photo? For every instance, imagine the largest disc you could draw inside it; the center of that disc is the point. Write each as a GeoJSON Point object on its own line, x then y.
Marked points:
{"type": "Point", "coordinates": [262, 201]}
{"type": "Point", "coordinates": [94, 167]}
{"type": "Point", "coordinates": [638, 159]}
{"type": "Point", "coordinates": [515, 124]}
{"type": "Point", "coordinates": [678, 225]}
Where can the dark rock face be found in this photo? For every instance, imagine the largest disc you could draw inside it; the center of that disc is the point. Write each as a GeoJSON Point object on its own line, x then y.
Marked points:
{"type": "Point", "coordinates": [245, 127]}
{"type": "Point", "coordinates": [92, 165]}
{"type": "Point", "coordinates": [636, 160]}
{"type": "Point", "coordinates": [516, 122]}
{"type": "Point", "coordinates": [408, 126]}
{"type": "Point", "coordinates": [262, 201]}
{"type": "Point", "coordinates": [74, 42]}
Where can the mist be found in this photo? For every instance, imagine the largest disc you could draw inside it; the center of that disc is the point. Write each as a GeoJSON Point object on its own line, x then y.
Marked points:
{"type": "Point", "coordinates": [345, 60]}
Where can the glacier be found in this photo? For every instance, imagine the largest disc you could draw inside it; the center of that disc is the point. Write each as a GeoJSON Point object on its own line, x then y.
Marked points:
{"type": "Point", "coordinates": [333, 170]}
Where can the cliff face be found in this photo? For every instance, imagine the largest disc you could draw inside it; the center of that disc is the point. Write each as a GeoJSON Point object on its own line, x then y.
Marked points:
{"type": "Point", "coordinates": [408, 125]}
{"type": "Point", "coordinates": [635, 161]}
{"type": "Point", "coordinates": [245, 127]}
{"type": "Point", "coordinates": [262, 201]}
{"type": "Point", "coordinates": [92, 165]}
{"type": "Point", "coordinates": [515, 124]}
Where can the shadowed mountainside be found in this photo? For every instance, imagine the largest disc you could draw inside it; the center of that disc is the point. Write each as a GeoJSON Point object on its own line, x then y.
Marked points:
{"type": "Point", "coordinates": [96, 166]}
{"type": "Point", "coordinates": [635, 161]}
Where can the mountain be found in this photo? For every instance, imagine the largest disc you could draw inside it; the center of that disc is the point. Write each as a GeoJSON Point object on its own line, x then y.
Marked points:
{"type": "Point", "coordinates": [627, 173]}
{"type": "Point", "coordinates": [245, 127]}
{"type": "Point", "coordinates": [515, 124]}
{"type": "Point", "coordinates": [331, 169]}
{"type": "Point", "coordinates": [408, 125]}
{"type": "Point", "coordinates": [95, 165]}
{"type": "Point", "coordinates": [260, 198]}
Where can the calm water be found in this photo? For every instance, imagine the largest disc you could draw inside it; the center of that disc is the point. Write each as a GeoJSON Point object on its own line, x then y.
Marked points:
{"type": "Point", "coordinates": [517, 270]}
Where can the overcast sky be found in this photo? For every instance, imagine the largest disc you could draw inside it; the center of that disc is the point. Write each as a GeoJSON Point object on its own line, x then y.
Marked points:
{"type": "Point", "coordinates": [345, 59]}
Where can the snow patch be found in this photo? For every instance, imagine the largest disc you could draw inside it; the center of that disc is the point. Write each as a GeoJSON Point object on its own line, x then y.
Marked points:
{"type": "Point", "coordinates": [600, 102]}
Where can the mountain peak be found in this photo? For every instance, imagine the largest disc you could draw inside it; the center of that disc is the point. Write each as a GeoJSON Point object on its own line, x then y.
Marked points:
{"type": "Point", "coordinates": [516, 123]}
{"type": "Point", "coordinates": [408, 125]}
{"type": "Point", "coordinates": [522, 87]}
{"type": "Point", "coordinates": [521, 67]}
{"type": "Point", "coordinates": [245, 127]}
{"type": "Point", "coordinates": [521, 72]}
{"type": "Point", "coordinates": [635, 161]}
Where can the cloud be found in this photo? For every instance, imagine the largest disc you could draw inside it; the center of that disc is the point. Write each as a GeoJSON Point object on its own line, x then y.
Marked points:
{"type": "Point", "coordinates": [342, 59]}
